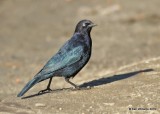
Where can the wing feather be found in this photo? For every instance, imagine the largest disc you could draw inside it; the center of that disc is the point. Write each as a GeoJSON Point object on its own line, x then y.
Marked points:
{"type": "Point", "coordinates": [62, 60]}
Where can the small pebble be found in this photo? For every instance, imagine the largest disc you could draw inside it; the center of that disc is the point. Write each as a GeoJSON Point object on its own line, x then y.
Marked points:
{"type": "Point", "coordinates": [146, 61]}
{"type": "Point", "coordinates": [40, 105]}
{"type": "Point", "coordinates": [60, 108]}
{"type": "Point", "coordinates": [109, 104]}
{"type": "Point", "coordinates": [17, 80]}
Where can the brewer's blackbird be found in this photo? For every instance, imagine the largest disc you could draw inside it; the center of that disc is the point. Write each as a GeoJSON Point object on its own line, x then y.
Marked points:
{"type": "Point", "coordinates": [69, 60]}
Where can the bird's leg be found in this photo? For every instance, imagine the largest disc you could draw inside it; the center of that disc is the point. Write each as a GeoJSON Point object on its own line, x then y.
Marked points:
{"type": "Point", "coordinates": [48, 87]}
{"type": "Point", "coordinates": [67, 80]}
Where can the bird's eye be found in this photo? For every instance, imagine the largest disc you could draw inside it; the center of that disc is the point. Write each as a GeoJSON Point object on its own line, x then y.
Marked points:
{"type": "Point", "coordinates": [85, 24]}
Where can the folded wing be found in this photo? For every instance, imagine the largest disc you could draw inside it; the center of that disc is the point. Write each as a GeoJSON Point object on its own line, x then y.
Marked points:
{"type": "Point", "coordinates": [62, 60]}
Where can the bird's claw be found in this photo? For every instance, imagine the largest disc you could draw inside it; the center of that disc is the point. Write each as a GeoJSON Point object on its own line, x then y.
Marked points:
{"type": "Point", "coordinates": [45, 90]}
{"type": "Point", "coordinates": [77, 87]}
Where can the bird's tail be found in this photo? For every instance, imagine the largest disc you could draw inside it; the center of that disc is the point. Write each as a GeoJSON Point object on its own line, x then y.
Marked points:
{"type": "Point", "coordinates": [30, 84]}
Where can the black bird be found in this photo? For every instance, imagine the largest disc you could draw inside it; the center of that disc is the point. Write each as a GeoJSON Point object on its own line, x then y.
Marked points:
{"type": "Point", "coordinates": [69, 60]}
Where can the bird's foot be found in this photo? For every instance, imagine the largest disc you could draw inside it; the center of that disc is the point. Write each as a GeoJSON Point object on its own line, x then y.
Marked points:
{"type": "Point", "coordinates": [76, 88]}
{"type": "Point", "coordinates": [45, 90]}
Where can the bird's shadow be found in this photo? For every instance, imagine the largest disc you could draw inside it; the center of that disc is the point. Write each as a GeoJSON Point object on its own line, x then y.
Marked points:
{"type": "Point", "coordinates": [97, 82]}
{"type": "Point", "coordinates": [113, 78]}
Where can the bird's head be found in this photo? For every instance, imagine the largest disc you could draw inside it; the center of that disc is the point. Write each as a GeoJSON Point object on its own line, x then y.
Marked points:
{"type": "Point", "coordinates": [84, 26]}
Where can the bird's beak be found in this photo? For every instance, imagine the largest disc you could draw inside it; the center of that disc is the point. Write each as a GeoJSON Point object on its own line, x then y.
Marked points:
{"type": "Point", "coordinates": [92, 25]}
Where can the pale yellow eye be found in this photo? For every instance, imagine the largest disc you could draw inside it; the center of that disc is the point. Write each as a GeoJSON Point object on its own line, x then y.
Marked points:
{"type": "Point", "coordinates": [84, 24]}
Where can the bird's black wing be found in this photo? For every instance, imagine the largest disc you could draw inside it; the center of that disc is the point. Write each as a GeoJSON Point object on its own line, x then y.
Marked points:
{"type": "Point", "coordinates": [62, 59]}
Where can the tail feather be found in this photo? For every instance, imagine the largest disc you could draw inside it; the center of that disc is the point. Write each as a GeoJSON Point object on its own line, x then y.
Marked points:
{"type": "Point", "coordinates": [30, 84]}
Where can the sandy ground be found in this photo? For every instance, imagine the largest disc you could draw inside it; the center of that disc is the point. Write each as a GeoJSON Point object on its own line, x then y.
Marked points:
{"type": "Point", "coordinates": [124, 70]}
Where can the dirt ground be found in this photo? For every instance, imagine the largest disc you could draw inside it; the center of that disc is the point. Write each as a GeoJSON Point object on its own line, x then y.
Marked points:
{"type": "Point", "coordinates": [124, 70]}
